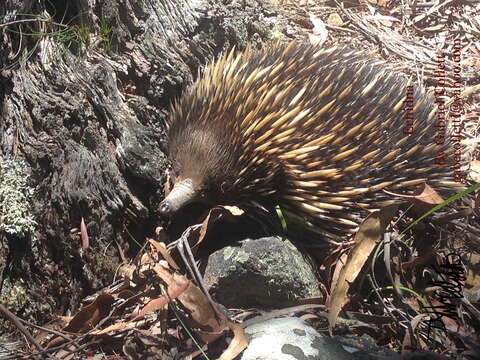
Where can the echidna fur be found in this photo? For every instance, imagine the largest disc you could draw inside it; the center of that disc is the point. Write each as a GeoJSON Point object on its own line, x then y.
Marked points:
{"type": "Point", "coordinates": [321, 132]}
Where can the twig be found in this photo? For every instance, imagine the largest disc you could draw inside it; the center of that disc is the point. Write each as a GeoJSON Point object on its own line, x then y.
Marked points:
{"type": "Point", "coordinates": [31, 20]}
{"type": "Point", "coordinates": [184, 249]}
{"type": "Point", "coordinates": [10, 316]}
{"type": "Point", "coordinates": [58, 333]}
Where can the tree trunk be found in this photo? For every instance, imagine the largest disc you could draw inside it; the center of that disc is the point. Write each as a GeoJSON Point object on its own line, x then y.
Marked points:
{"type": "Point", "coordinates": [84, 94]}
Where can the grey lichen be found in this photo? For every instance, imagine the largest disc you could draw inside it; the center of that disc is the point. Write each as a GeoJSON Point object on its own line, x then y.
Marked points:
{"type": "Point", "coordinates": [15, 198]}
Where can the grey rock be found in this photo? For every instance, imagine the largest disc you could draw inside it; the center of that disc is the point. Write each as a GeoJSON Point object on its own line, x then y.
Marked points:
{"type": "Point", "coordinates": [260, 273]}
{"type": "Point", "coordinates": [290, 339]}
{"type": "Point", "coordinates": [365, 348]}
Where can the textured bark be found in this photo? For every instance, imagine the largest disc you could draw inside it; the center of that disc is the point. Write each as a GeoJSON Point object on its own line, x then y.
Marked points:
{"type": "Point", "coordinates": [86, 109]}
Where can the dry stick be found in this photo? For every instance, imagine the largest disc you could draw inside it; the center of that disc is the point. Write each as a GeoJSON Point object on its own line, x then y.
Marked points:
{"type": "Point", "coordinates": [331, 27]}
{"type": "Point", "coordinates": [51, 350]}
{"type": "Point", "coordinates": [10, 316]}
{"type": "Point", "coordinates": [58, 333]}
{"type": "Point", "coordinates": [281, 312]}
{"type": "Point", "coordinates": [20, 43]}
{"type": "Point", "coordinates": [379, 37]}
{"type": "Point", "coordinates": [76, 342]}
{"type": "Point", "coordinates": [31, 20]}
{"type": "Point", "coordinates": [184, 250]}
{"type": "Point", "coordinates": [430, 11]}
{"type": "Point", "coordinates": [403, 48]}
{"type": "Point", "coordinates": [41, 351]}
{"type": "Point", "coordinates": [17, 22]}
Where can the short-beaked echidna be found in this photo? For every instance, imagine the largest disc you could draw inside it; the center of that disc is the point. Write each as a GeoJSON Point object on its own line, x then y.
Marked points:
{"type": "Point", "coordinates": [320, 132]}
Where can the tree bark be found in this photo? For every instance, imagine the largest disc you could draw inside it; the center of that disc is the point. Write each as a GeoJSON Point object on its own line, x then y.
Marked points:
{"type": "Point", "coordinates": [84, 94]}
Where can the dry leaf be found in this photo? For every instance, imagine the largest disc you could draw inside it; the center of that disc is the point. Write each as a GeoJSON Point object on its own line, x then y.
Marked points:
{"type": "Point", "coordinates": [176, 285]}
{"type": "Point", "coordinates": [383, 2]}
{"type": "Point", "coordinates": [162, 249]}
{"type": "Point", "coordinates": [127, 270]}
{"type": "Point", "coordinates": [84, 235]}
{"type": "Point", "coordinates": [340, 264]}
{"type": "Point", "coordinates": [90, 315]}
{"type": "Point", "coordinates": [382, 19]}
{"type": "Point", "coordinates": [423, 199]}
{"type": "Point", "coordinates": [238, 343]}
{"type": "Point", "coordinates": [156, 304]}
{"type": "Point", "coordinates": [234, 210]}
{"type": "Point", "coordinates": [86, 319]}
{"type": "Point", "coordinates": [411, 341]}
{"type": "Point", "coordinates": [115, 327]}
{"type": "Point", "coordinates": [319, 32]}
{"type": "Point", "coordinates": [217, 213]}
{"type": "Point", "coordinates": [56, 324]}
{"type": "Point", "coordinates": [475, 170]}
{"type": "Point", "coordinates": [167, 185]}
{"type": "Point", "coordinates": [472, 283]}
{"type": "Point", "coordinates": [211, 324]}
{"type": "Point", "coordinates": [369, 234]}
{"type": "Point", "coordinates": [476, 208]}
{"type": "Point", "coordinates": [334, 20]}
{"type": "Point", "coordinates": [201, 311]}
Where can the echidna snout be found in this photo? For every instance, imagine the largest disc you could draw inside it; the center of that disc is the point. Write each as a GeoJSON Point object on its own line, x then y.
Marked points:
{"type": "Point", "coordinates": [165, 208]}
{"type": "Point", "coordinates": [183, 193]}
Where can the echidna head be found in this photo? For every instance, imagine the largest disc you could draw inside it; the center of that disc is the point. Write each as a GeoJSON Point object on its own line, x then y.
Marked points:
{"type": "Point", "coordinates": [199, 171]}
{"type": "Point", "coordinates": [188, 186]}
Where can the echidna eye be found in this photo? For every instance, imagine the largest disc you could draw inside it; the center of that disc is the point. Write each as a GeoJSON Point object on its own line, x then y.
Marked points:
{"type": "Point", "coordinates": [202, 195]}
